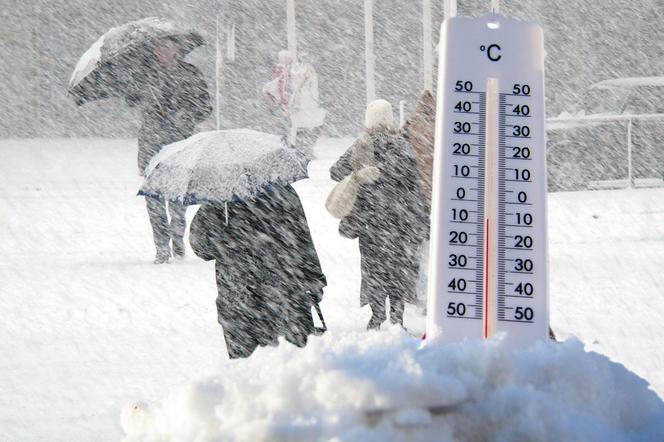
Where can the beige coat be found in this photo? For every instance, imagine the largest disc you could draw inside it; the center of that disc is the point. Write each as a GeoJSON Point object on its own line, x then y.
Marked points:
{"type": "Point", "coordinates": [420, 132]}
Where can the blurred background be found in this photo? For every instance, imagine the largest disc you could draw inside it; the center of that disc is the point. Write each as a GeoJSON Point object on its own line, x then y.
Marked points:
{"type": "Point", "coordinates": [41, 41]}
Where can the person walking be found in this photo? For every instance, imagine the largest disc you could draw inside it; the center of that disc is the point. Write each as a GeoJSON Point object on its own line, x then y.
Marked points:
{"type": "Point", "coordinates": [306, 114]}
{"type": "Point", "coordinates": [419, 131]}
{"type": "Point", "coordinates": [173, 98]}
{"type": "Point", "coordinates": [294, 101]}
{"type": "Point", "coordinates": [267, 269]}
{"type": "Point", "coordinates": [387, 216]}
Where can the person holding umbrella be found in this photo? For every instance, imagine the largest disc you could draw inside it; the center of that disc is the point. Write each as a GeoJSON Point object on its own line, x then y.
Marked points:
{"type": "Point", "coordinates": [142, 61]}
{"type": "Point", "coordinates": [174, 98]}
{"type": "Point", "coordinates": [267, 270]}
{"type": "Point", "coordinates": [252, 224]}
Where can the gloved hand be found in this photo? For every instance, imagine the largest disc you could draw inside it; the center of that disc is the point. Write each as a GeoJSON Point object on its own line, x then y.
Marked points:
{"type": "Point", "coordinates": [367, 175]}
{"type": "Point", "coordinates": [348, 229]}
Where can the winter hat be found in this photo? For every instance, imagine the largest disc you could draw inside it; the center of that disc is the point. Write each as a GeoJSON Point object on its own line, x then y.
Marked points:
{"type": "Point", "coordinates": [379, 113]}
{"type": "Point", "coordinates": [284, 57]}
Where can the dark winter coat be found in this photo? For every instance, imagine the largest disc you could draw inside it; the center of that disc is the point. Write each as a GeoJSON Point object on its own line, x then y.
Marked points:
{"type": "Point", "coordinates": [267, 268]}
{"type": "Point", "coordinates": [173, 100]}
{"type": "Point", "coordinates": [388, 216]}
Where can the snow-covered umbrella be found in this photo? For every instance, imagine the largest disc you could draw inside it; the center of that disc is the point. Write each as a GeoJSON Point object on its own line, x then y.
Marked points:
{"type": "Point", "coordinates": [222, 166]}
{"type": "Point", "coordinates": [116, 62]}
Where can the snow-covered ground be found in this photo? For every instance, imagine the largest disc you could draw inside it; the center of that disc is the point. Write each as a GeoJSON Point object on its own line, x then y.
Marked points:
{"type": "Point", "coordinates": [89, 324]}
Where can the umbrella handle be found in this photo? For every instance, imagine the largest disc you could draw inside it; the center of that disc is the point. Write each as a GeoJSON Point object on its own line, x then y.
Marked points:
{"type": "Point", "coordinates": [320, 315]}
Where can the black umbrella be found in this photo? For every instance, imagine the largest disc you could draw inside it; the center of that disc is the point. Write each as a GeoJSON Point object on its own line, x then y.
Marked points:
{"type": "Point", "coordinates": [117, 62]}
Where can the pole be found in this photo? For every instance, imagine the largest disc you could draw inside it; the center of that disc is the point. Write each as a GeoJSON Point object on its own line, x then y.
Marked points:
{"type": "Point", "coordinates": [450, 8]}
{"type": "Point", "coordinates": [495, 6]}
{"type": "Point", "coordinates": [292, 49]}
{"type": "Point", "coordinates": [217, 71]}
{"type": "Point", "coordinates": [427, 52]}
{"type": "Point", "coordinates": [402, 113]}
{"type": "Point", "coordinates": [369, 50]}
{"type": "Point", "coordinates": [292, 37]}
{"type": "Point", "coordinates": [630, 172]}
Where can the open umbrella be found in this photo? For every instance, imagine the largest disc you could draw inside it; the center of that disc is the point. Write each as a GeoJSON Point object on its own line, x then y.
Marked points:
{"type": "Point", "coordinates": [222, 166]}
{"type": "Point", "coordinates": [116, 62]}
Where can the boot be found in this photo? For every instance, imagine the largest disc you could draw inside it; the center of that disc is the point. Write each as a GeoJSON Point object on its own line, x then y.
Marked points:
{"type": "Point", "coordinates": [178, 247]}
{"type": "Point", "coordinates": [162, 257]}
{"type": "Point", "coordinates": [378, 315]}
{"type": "Point", "coordinates": [374, 322]}
{"type": "Point", "coordinates": [397, 307]}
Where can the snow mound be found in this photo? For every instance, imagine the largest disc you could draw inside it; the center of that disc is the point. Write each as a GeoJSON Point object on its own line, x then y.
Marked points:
{"type": "Point", "coordinates": [384, 387]}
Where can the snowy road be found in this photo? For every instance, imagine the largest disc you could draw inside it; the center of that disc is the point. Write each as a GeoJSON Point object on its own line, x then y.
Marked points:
{"type": "Point", "coordinates": [89, 323]}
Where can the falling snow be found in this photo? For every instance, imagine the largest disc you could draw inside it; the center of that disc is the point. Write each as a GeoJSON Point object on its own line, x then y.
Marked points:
{"type": "Point", "coordinates": [98, 342]}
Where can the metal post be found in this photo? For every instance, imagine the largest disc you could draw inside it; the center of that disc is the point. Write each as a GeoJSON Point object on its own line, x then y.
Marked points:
{"type": "Point", "coordinates": [292, 38]}
{"type": "Point", "coordinates": [630, 172]}
{"type": "Point", "coordinates": [427, 45]}
{"type": "Point", "coordinates": [369, 50]}
{"type": "Point", "coordinates": [402, 113]}
{"type": "Point", "coordinates": [450, 8]}
{"type": "Point", "coordinates": [217, 71]}
{"type": "Point", "coordinates": [292, 48]}
{"type": "Point", "coordinates": [495, 6]}
{"type": "Point", "coordinates": [230, 42]}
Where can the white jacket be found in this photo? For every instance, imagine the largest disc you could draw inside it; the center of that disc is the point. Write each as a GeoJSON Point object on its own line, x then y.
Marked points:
{"type": "Point", "coordinates": [305, 110]}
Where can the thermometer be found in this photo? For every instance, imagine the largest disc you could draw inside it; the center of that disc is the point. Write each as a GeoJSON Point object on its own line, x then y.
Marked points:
{"type": "Point", "coordinates": [488, 252]}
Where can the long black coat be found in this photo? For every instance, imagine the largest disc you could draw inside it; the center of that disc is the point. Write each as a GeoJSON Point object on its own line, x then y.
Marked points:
{"type": "Point", "coordinates": [172, 100]}
{"type": "Point", "coordinates": [267, 268]}
{"type": "Point", "coordinates": [388, 217]}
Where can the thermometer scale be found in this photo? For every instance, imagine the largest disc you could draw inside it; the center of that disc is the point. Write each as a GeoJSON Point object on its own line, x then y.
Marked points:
{"type": "Point", "coordinates": [488, 254]}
